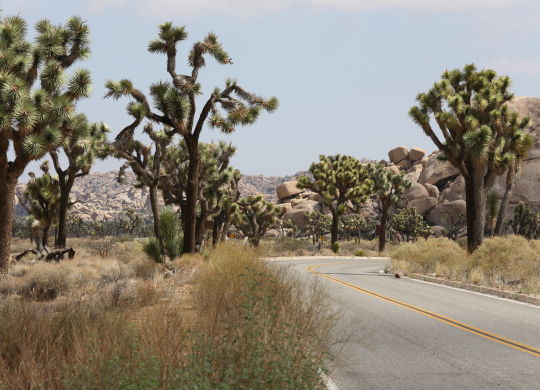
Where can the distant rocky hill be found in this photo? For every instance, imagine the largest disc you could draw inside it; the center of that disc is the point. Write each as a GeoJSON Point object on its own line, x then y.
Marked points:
{"type": "Point", "coordinates": [100, 196]}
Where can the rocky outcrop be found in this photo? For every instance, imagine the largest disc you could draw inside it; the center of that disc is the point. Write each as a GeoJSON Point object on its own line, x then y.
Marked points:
{"type": "Point", "coordinates": [288, 189]}
{"type": "Point", "coordinates": [398, 154]}
{"type": "Point", "coordinates": [446, 214]}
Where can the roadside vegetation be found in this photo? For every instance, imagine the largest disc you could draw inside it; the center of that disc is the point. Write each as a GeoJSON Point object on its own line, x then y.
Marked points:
{"type": "Point", "coordinates": [220, 320]}
{"type": "Point", "coordinates": [509, 262]}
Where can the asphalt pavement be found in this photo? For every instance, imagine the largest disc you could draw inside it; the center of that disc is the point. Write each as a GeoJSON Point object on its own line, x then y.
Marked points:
{"type": "Point", "coordinates": [407, 334]}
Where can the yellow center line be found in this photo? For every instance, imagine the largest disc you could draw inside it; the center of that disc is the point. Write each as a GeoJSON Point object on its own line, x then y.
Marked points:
{"type": "Point", "coordinates": [460, 325]}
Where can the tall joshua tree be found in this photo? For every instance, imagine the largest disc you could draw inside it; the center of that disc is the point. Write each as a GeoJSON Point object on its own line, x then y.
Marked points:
{"type": "Point", "coordinates": [388, 187]}
{"type": "Point", "coordinates": [476, 128]}
{"type": "Point", "coordinates": [343, 183]}
{"type": "Point", "coordinates": [36, 100]}
{"type": "Point", "coordinates": [83, 143]}
{"type": "Point", "coordinates": [176, 102]}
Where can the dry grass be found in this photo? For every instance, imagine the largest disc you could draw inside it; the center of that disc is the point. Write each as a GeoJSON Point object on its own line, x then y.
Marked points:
{"type": "Point", "coordinates": [509, 262]}
{"type": "Point", "coordinates": [225, 320]}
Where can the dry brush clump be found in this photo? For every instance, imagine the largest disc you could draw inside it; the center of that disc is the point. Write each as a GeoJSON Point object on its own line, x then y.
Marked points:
{"type": "Point", "coordinates": [509, 262]}
{"type": "Point", "coordinates": [216, 321]}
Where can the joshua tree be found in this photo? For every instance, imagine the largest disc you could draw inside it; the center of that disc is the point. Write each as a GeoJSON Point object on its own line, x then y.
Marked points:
{"type": "Point", "coordinates": [388, 187]}
{"type": "Point", "coordinates": [342, 182]}
{"type": "Point", "coordinates": [176, 103]}
{"type": "Point", "coordinates": [353, 226]}
{"type": "Point", "coordinates": [255, 216]}
{"type": "Point", "coordinates": [318, 224]}
{"type": "Point", "coordinates": [145, 162]}
{"type": "Point", "coordinates": [42, 201]}
{"type": "Point", "coordinates": [522, 143]}
{"type": "Point", "coordinates": [83, 143]}
{"type": "Point", "coordinates": [477, 126]}
{"type": "Point", "coordinates": [492, 208]}
{"type": "Point", "coordinates": [408, 225]}
{"type": "Point", "coordinates": [215, 177]}
{"type": "Point", "coordinates": [35, 101]}
{"type": "Point", "coordinates": [228, 207]}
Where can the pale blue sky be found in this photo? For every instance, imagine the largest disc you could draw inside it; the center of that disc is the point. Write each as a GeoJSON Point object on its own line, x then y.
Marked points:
{"type": "Point", "coordinates": [346, 72]}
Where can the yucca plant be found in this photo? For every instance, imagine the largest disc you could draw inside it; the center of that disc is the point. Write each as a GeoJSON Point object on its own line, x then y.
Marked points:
{"type": "Point", "coordinates": [37, 98]}
{"type": "Point", "coordinates": [172, 238]}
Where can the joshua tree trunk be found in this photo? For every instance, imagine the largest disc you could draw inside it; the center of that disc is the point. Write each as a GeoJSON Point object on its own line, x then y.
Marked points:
{"type": "Point", "coordinates": [45, 234]}
{"type": "Point", "coordinates": [335, 227]}
{"type": "Point", "coordinates": [190, 217]}
{"type": "Point", "coordinates": [511, 178]}
{"type": "Point", "coordinates": [65, 190]}
{"type": "Point", "coordinates": [7, 195]}
{"type": "Point", "coordinates": [476, 199]}
{"type": "Point", "coordinates": [382, 228]}
{"type": "Point", "coordinates": [153, 193]}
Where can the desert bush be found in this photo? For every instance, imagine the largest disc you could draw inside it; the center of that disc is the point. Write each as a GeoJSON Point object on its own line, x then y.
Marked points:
{"type": "Point", "coordinates": [509, 259]}
{"type": "Point", "coordinates": [429, 256]}
{"type": "Point", "coordinates": [511, 262]}
{"type": "Point", "coordinates": [102, 248]}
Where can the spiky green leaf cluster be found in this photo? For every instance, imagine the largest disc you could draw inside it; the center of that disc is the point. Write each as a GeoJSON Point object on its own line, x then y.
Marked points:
{"type": "Point", "coordinates": [475, 124]}
{"type": "Point", "coordinates": [42, 196]}
{"type": "Point", "coordinates": [342, 181]}
{"type": "Point", "coordinates": [255, 216]}
{"type": "Point", "coordinates": [37, 95]}
{"type": "Point", "coordinates": [388, 186]}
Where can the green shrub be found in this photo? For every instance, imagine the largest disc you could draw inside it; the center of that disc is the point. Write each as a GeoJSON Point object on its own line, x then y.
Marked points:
{"type": "Point", "coordinates": [171, 231]}
{"type": "Point", "coordinates": [335, 247]}
{"type": "Point", "coordinates": [360, 253]}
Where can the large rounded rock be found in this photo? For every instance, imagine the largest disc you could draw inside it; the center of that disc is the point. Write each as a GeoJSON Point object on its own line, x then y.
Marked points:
{"type": "Point", "coordinates": [423, 205]}
{"type": "Point", "coordinates": [530, 106]}
{"type": "Point", "coordinates": [297, 215]}
{"type": "Point", "coordinates": [416, 154]}
{"type": "Point", "coordinates": [527, 188]}
{"type": "Point", "coordinates": [288, 189]}
{"type": "Point", "coordinates": [455, 190]}
{"type": "Point", "coordinates": [398, 154]}
{"type": "Point", "coordinates": [432, 190]}
{"type": "Point", "coordinates": [447, 214]}
{"type": "Point", "coordinates": [416, 191]}
{"type": "Point", "coordinates": [393, 168]}
{"type": "Point", "coordinates": [437, 172]}
{"type": "Point", "coordinates": [286, 207]}
{"type": "Point", "coordinates": [414, 174]}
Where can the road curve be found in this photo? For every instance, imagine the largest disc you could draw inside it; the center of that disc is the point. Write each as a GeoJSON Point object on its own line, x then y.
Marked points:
{"type": "Point", "coordinates": [407, 334]}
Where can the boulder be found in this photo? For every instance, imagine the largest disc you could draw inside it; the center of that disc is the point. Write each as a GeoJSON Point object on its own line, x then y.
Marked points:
{"type": "Point", "coordinates": [416, 191]}
{"type": "Point", "coordinates": [288, 189]}
{"type": "Point", "coordinates": [285, 207]}
{"type": "Point", "coordinates": [370, 210]}
{"type": "Point", "coordinates": [414, 173]}
{"type": "Point", "coordinates": [422, 162]}
{"type": "Point", "coordinates": [272, 233]}
{"type": "Point", "coordinates": [416, 154]}
{"type": "Point", "coordinates": [393, 169]}
{"type": "Point", "coordinates": [437, 172]}
{"type": "Point", "coordinates": [404, 164]}
{"type": "Point", "coordinates": [314, 196]}
{"type": "Point", "coordinates": [432, 190]}
{"type": "Point", "coordinates": [527, 188]}
{"type": "Point", "coordinates": [455, 190]}
{"type": "Point", "coordinates": [530, 106]}
{"type": "Point", "coordinates": [446, 214]}
{"type": "Point", "coordinates": [423, 205]}
{"type": "Point", "coordinates": [297, 215]}
{"type": "Point", "coordinates": [398, 154]}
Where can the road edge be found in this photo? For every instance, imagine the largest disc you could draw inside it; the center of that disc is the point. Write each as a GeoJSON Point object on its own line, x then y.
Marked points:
{"type": "Point", "coordinates": [479, 289]}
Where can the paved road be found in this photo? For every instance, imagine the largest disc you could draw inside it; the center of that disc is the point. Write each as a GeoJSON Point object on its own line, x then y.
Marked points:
{"type": "Point", "coordinates": [406, 334]}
